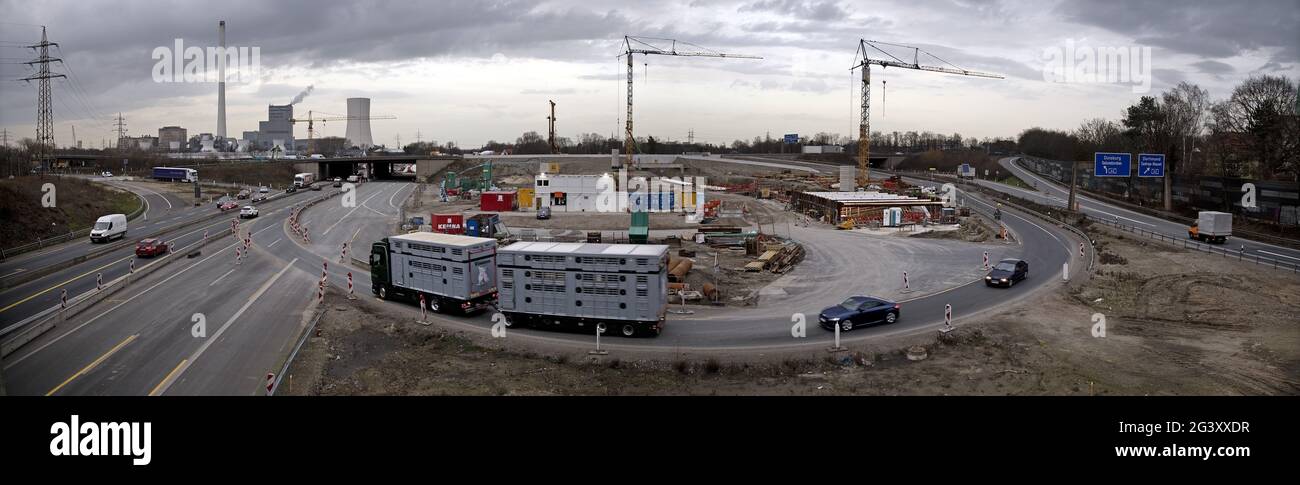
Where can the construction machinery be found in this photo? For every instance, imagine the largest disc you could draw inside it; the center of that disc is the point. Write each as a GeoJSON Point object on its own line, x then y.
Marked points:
{"type": "Point", "coordinates": [864, 61]}
{"type": "Point", "coordinates": [311, 122]}
{"type": "Point", "coordinates": [664, 47]}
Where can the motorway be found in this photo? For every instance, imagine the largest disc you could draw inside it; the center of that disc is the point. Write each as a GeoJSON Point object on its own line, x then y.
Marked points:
{"type": "Point", "coordinates": [161, 210]}
{"type": "Point", "coordinates": [1052, 194]}
{"type": "Point", "coordinates": [31, 297]}
{"type": "Point", "coordinates": [141, 342]}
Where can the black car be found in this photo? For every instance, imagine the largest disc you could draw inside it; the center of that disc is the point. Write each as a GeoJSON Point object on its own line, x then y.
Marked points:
{"type": "Point", "coordinates": [1007, 272]}
{"type": "Point", "coordinates": [858, 311]}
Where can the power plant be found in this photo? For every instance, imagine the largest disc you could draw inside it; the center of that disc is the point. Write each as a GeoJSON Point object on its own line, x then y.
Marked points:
{"type": "Point", "coordinates": [358, 133]}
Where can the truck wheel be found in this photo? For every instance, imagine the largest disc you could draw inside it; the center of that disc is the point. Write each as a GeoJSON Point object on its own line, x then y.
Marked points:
{"type": "Point", "coordinates": [629, 330]}
{"type": "Point", "coordinates": [433, 305]}
{"type": "Point", "coordinates": [383, 292]}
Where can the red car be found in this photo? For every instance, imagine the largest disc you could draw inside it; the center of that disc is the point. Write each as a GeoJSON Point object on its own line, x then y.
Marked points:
{"type": "Point", "coordinates": [150, 248]}
{"type": "Point", "coordinates": [228, 205]}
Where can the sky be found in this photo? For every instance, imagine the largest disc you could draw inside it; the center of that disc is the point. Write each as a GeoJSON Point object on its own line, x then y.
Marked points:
{"type": "Point", "coordinates": [474, 71]}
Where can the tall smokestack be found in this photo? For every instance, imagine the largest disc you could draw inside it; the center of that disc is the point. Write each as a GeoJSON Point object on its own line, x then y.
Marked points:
{"type": "Point", "coordinates": [221, 80]}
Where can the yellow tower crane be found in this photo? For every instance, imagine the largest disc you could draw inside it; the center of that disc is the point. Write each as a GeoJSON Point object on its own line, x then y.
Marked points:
{"type": "Point", "coordinates": [663, 47]}
{"type": "Point", "coordinates": [862, 60]}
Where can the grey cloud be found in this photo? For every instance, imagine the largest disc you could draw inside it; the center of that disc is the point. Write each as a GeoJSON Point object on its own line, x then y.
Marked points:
{"type": "Point", "coordinates": [816, 10]}
{"type": "Point", "coordinates": [1214, 67]}
{"type": "Point", "coordinates": [1208, 28]}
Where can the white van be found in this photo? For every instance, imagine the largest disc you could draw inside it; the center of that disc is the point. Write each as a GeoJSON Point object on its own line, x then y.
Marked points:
{"type": "Point", "coordinates": [108, 227]}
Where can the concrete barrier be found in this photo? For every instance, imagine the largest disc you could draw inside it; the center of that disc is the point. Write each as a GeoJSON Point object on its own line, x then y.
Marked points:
{"type": "Point", "coordinates": [32, 327]}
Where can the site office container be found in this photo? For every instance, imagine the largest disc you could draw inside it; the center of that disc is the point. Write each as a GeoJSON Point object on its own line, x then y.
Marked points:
{"type": "Point", "coordinates": [448, 223]}
{"type": "Point", "coordinates": [497, 201]}
{"type": "Point", "coordinates": [524, 197]}
{"type": "Point", "coordinates": [482, 225]}
{"type": "Point", "coordinates": [580, 285]}
{"type": "Point", "coordinates": [452, 272]}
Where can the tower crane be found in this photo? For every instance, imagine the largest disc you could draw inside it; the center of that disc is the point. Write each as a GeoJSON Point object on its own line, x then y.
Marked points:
{"type": "Point", "coordinates": [664, 47]}
{"type": "Point", "coordinates": [864, 61]}
{"type": "Point", "coordinates": [311, 129]}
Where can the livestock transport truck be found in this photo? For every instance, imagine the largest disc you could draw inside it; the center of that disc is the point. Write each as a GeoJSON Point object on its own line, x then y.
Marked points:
{"type": "Point", "coordinates": [452, 272]}
{"type": "Point", "coordinates": [581, 286]}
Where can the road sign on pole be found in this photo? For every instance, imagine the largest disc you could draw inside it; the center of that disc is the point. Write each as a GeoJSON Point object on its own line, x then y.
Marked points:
{"type": "Point", "coordinates": [792, 139]}
{"type": "Point", "coordinates": [1151, 165]}
{"type": "Point", "coordinates": [1112, 164]}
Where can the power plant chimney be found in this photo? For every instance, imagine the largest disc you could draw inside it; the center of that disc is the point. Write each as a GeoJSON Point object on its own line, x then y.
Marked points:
{"type": "Point", "coordinates": [221, 80]}
{"type": "Point", "coordinates": [358, 132]}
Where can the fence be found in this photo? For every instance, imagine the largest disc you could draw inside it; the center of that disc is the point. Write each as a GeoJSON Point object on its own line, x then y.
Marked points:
{"type": "Point", "coordinates": [1187, 243]}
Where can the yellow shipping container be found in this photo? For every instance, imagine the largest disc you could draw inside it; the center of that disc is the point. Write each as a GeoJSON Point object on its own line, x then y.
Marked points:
{"type": "Point", "coordinates": [526, 196]}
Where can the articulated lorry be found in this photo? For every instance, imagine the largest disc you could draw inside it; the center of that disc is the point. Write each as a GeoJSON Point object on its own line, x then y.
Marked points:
{"type": "Point", "coordinates": [1212, 227]}
{"type": "Point", "coordinates": [620, 288]}
{"type": "Point", "coordinates": [452, 272]}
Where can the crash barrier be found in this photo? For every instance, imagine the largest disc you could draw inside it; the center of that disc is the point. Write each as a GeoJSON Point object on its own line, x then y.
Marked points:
{"type": "Point", "coordinates": [6, 253]}
{"type": "Point", "coordinates": [18, 334]}
{"type": "Point", "coordinates": [1188, 243]}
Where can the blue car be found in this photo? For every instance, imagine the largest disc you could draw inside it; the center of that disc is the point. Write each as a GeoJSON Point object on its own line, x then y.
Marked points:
{"type": "Point", "coordinates": [859, 311]}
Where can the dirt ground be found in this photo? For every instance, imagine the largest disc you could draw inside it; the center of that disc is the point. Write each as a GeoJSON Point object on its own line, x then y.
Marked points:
{"type": "Point", "coordinates": [1201, 326]}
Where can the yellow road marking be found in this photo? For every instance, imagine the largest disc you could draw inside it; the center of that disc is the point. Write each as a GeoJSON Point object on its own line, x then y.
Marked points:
{"type": "Point", "coordinates": [74, 278]}
{"type": "Point", "coordinates": [92, 365]}
{"type": "Point", "coordinates": [154, 392]}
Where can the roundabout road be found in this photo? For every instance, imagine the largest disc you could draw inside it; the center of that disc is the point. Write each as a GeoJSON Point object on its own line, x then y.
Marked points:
{"type": "Point", "coordinates": [1044, 246]}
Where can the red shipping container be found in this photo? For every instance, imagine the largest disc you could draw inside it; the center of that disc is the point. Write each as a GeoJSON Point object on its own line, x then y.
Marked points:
{"type": "Point", "coordinates": [497, 201]}
{"type": "Point", "coordinates": [449, 223]}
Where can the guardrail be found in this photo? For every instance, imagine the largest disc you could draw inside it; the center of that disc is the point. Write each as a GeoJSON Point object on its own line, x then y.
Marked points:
{"type": "Point", "coordinates": [6, 253]}
{"type": "Point", "coordinates": [1160, 214]}
{"type": "Point", "coordinates": [36, 325]}
{"type": "Point", "coordinates": [1187, 243]}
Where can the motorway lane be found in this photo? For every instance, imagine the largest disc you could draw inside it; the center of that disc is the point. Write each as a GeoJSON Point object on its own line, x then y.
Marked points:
{"type": "Point", "coordinates": [1057, 195]}
{"type": "Point", "coordinates": [35, 296]}
{"type": "Point", "coordinates": [140, 342]}
{"type": "Point", "coordinates": [161, 210]}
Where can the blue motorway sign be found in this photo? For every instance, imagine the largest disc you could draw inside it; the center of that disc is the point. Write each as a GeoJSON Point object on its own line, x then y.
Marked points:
{"type": "Point", "coordinates": [792, 139]}
{"type": "Point", "coordinates": [1151, 165]}
{"type": "Point", "coordinates": [1112, 164]}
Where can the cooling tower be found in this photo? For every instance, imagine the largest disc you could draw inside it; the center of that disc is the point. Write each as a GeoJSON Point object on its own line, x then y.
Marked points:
{"type": "Point", "coordinates": [359, 122]}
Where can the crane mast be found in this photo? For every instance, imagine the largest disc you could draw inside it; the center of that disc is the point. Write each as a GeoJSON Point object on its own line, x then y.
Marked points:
{"type": "Point", "coordinates": [864, 61]}
{"type": "Point", "coordinates": [664, 47]}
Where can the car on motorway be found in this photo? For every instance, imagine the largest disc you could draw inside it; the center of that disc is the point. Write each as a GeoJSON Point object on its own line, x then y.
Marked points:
{"type": "Point", "coordinates": [263, 190]}
{"type": "Point", "coordinates": [258, 197]}
{"type": "Point", "coordinates": [148, 248]}
{"type": "Point", "coordinates": [1007, 272]}
{"type": "Point", "coordinates": [243, 194]}
{"type": "Point", "coordinates": [290, 189]}
{"type": "Point", "coordinates": [106, 174]}
{"type": "Point", "coordinates": [857, 311]}
{"type": "Point", "coordinates": [227, 205]}
{"type": "Point", "coordinates": [338, 182]}
{"type": "Point", "coordinates": [543, 213]}
{"type": "Point", "coordinates": [315, 186]}
{"type": "Point", "coordinates": [248, 212]}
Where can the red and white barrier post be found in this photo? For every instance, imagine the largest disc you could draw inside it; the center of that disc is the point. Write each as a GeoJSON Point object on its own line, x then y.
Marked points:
{"type": "Point", "coordinates": [99, 281]}
{"type": "Point", "coordinates": [1080, 250]}
{"type": "Point", "coordinates": [63, 298]}
{"type": "Point", "coordinates": [239, 257]}
{"type": "Point", "coordinates": [986, 260]}
{"type": "Point", "coordinates": [270, 383]}
{"type": "Point", "coordinates": [906, 284]}
{"type": "Point", "coordinates": [351, 296]}
{"type": "Point", "coordinates": [947, 318]}
{"type": "Point", "coordinates": [343, 253]}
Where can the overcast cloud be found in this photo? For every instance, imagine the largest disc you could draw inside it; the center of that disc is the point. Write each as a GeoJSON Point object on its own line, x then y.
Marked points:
{"type": "Point", "coordinates": [470, 71]}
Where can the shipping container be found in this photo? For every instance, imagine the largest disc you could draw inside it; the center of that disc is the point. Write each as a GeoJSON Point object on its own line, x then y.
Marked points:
{"type": "Point", "coordinates": [482, 225]}
{"type": "Point", "coordinates": [448, 223]}
{"type": "Point", "coordinates": [580, 286]}
{"type": "Point", "coordinates": [498, 201]}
